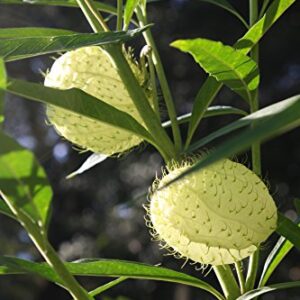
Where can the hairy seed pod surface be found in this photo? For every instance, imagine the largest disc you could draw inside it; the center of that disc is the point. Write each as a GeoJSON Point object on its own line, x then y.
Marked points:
{"type": "Point", "coordinates": [218, 215]}
{"type": "Point", "coordinates": [91, 70]}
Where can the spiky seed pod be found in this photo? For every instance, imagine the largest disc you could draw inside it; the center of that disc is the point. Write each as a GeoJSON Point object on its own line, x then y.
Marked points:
{"type": "Point", "coordinates": [91, 70]}
{"type": "Point", "coordinates": [218, 215]}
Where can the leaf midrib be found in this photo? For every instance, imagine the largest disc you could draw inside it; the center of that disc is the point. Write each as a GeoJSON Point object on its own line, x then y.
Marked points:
{"type": "Point", "coordinates": [233, 69]}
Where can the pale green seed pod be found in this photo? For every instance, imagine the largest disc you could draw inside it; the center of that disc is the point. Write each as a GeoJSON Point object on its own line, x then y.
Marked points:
{"type": "Point", "coordinates": [215, 216]}
{"type": "Point", "coordinates": [91, 70]}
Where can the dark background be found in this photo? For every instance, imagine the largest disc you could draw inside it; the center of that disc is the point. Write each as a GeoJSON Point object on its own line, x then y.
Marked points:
{"type": "Point", "coordinates": [100, 213]}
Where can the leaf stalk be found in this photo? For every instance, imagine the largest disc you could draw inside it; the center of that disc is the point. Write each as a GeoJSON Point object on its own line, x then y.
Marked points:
{"type": "Point", "coordinates": [227, 281]}
{"type": "Point", "coordinates": [162, 79]}
{"type": "Point", "coordinates": [255, 149]}
{"type": "Point", "coordinates": [93, 16]}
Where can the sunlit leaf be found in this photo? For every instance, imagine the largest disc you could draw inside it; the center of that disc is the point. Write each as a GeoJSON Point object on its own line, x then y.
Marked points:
{"type": "Point", "coordinates": [2, 74]}
{"type": "Point", "coordinates": [268, 289]}
{"type": "Point", "coordinates": [22, 32]}
{"type": "Point", "coordinates": [4, 209]}
{"type": "Point", "coordinates": [23, 180]}
{"type": "Point", "coordinates": [257, 31]}
{"type": "Point", "coordinates": [268, 122]}
{"type": "Point", "coordinates": [2, 87]}
{"type": "Point", "coordinates": [229, 66]}
{"type": "Point", "coordinates": [65, 3]}
{"type": "Point", "coordinates": [105, 268]}
{"type": "Point", "coordinates": [289, 230]}
{"type": "Point", "coordinates": [79, 102]}
{"type": "Point", "coordinates": [278, 253]}
{"type": "Point", "coordinates": [129, 9]}
{"type": "Point", "coordinates": [212, 111]}
{"type": "Point", "coordinates": [211, 87]}
{"type": "Point", "coordinates": [259, 116]}
{"type": "Point", "coordinates": [20, 47]}
{"type": "Point", "coordinates": [92, 161]}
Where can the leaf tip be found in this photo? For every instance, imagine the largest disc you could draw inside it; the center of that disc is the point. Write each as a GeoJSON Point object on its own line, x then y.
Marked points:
{"type": "Point", "coordinates": [70, 176]}
{"type": "Point", "coordinates": [177, 44]}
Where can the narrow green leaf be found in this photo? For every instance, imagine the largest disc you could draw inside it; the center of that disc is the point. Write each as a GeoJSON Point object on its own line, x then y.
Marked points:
{"type": "Point", "coordinates": [278, 253]}
{"type": "Point", "coordinates": [128, 12]}
{"type": "Point", "coordinates": [107, 286]}
{"type": "Point", "coordinates": [23, 180]}
{"type": "Point", "coordinates": [144, 3]}
{"type": "Point", "coordinates": [21, 47]}
{"type": "Point", "coordinates": [4, 209]}
{"type": "Point", "coordinates": [221, 110]}
{"type": "Point", "coordinates": [65, 3]}
{"type": "Point", "coordinates": [79, 102]}
{"type": "Point", "coordinates": [268, 289]}
{"type": "Point", "coordinates": [212, 111]}
{"type": "Point", "coordinates": [258, 30]}
{"type": "Point", "coordinates": [264, 7]}
{"type": "Point", "coordinates": [91, 161]}
{"type": "Point", "coordinates": [227, 6]}
{"type": "Point", "coordinates": [3, 79]}
{"type": "Point", "coordinates": [250, 120]}
{"type": "Point", "coordinates": [105, 268]}
{"type": "Point", "coordinates": [204, 98]}
{"type": "Point", "coordinates": [22, 32]}
{"type": "Point", "coordinates": [289, 230]}
{"type": "Point", "coordinates": [266, 124]}
{"type": "Point", "coordinates": [13, 265]}
{"type": "Point", "coordinates": [229, 66]}
{"type": "Point", "coordinates": [3, 76]}
{"type": "Point", "coordinates": [211, 87]}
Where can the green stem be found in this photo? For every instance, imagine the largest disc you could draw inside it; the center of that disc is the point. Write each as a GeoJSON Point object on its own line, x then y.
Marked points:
{"type": "Point", "coordinates": [163, 142]}
{"type": "Point", "coordinates": [153, 85]}
{"type": "Point", "coordinates": [252, 270]}
{"type": "Point", "coordinates": [93, 16]}
{"type": "Point", "coordinates": [107, 286]}
{"type": "Point", "coordinates": [145, 57]}
{"type": "Point", "coordinates": [227, 281]}
{"type": "Point", "coordinates": [162, 79]}
{"type": "Point", "coordinates": [254, 106]}
{"type": "Point", "coordinates": [240, 275]}
{"type": "Point", "coordinates": [38, 236]}
{"type": "Point", "coordinates": [141, 103]}
{"type": "Point", "coordinates": [255, 149]}
{"type": "Point", "coordinates": [119, 14]}
{"type": "Point", "coordinates": [264, 8]}
{"type": "Point", "coordinates": [253, 12]}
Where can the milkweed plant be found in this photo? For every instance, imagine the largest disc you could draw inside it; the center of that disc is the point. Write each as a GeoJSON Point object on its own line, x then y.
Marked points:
{"type": "Point", "coordinates": [206, 208]}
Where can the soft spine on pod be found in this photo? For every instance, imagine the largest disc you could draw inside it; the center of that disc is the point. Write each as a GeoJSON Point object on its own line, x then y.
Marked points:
{"type": "Point", "coordinates": [215, 216]}
{"type": "Point", "coordinates": [91, 70]}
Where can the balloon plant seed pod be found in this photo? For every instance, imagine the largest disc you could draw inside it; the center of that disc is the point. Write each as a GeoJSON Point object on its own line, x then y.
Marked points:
{"type": "Point", "coordinates": [91, 70]}
{"type": "Point", "coordinates": [215, 216]}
